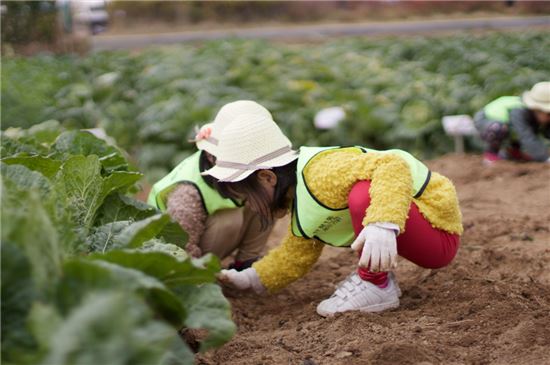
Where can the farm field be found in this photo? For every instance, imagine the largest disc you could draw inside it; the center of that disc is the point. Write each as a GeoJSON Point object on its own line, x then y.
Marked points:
{"type": "Point", "coordinates": [394, 90]}
{"type": "Point", "coordinates": [92, 275]}
{"type": "Point", "coordinates": [490, 306]}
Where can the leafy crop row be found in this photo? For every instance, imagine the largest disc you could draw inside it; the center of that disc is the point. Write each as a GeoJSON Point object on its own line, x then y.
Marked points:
{"type": "Point", "coordinates": [89, 274]}
{"type": "Point", "coordinates": [394, 90]}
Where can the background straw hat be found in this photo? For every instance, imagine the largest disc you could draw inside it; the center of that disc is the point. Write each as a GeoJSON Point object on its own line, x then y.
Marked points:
{"type": "Point", "coordinates": [538, 97]}
{"type": "Point", "coordinates": [209, 141]}
{"type": "Point", "coordinates": [251, 142]}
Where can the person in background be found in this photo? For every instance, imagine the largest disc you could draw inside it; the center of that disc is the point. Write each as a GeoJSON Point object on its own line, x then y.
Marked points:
{"type": "Point", "coordinates": [381, 203]}
{"type": "Point", "coordinates": [214, 224]}
{"type": "Point", "coordinates": [514, 128]}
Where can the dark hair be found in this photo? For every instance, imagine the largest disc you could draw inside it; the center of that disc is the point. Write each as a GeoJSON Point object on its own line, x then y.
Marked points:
{"type": "Point", "coordinates": [205, 164]}
{"type": "Point", "coordinates": [256, 196]}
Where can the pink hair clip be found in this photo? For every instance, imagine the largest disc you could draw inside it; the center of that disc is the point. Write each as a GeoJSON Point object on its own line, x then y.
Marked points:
{"type": "Point", "coordinates": [203, 133]}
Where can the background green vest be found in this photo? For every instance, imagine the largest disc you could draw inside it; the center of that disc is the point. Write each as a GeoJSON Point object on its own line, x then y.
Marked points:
{"type": "Point", "coordinates": [188, 171]}
{"type": "Point", "coordinates": [499, 109]}
{"type": "Point", "coordinates": [312, 219]}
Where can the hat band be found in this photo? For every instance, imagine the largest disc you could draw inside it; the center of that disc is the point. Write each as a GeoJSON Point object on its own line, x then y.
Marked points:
{"type": "Point", "coordinates": [254, 164]}
{"type": "Point", "coordinates": [212, 140]}
{"type": "Point", "coordinates": [240, 166]}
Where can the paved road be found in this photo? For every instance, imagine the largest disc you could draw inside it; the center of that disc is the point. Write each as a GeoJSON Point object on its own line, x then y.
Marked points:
{"type": "Point", "coordinates": [313, 32]}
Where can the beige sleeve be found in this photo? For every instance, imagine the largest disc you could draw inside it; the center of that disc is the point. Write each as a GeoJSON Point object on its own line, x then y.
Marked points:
{"type": "Point", "coordinates": [185, 207]}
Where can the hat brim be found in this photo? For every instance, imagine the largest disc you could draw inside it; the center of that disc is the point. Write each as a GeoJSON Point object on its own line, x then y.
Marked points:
{"type": "Point", "coordinates": [226, 174]}
{"type": "Point", "coordinates": [533, 104]}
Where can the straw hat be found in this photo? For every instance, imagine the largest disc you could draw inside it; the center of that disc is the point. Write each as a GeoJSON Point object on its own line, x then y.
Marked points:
{"type": "Point", "coordinates": [208, 136]}
{"type": "Point", "coordinates": [251, 142]}
{"type": "Point", "coordinates": [538, 97]}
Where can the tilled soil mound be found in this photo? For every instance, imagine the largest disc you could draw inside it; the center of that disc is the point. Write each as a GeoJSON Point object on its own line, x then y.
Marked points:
{"type": "Point", "coordinates": [491, 305]}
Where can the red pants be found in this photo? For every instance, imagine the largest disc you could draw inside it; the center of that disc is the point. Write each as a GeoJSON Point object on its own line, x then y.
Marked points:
{"type": "Point", "coordinates": [421, 243]}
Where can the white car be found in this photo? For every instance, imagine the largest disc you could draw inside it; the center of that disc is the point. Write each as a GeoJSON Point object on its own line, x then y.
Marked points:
{"type": "Point", "coordinates": [91, 13]}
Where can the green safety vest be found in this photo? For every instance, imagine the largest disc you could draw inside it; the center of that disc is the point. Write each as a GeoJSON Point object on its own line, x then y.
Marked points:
{"type": "Point", "coordinates": [188, 172]}
{"type": "Point", "coordinates": [499, 109]}
{"type": "Point", "coordinates": [312, 219]}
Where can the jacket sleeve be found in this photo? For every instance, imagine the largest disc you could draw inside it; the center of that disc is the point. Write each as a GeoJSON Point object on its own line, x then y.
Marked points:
{"type": "Point", "coordinates": [185, 207]}
{"type": "Point", "coordinates": [287, 262]}
{"type": "Point", "coordinates": [530, 143]}
{"type": "Point", "coordinates": [391, 190]}
{"type": "Point", "coordinates": [331, 176]}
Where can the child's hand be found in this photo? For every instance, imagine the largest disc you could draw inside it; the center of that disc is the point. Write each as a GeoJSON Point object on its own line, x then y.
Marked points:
{"type": "Point", "coordinates": [378, 247]}
{"type": "Point", "coordinates": [242, 280]}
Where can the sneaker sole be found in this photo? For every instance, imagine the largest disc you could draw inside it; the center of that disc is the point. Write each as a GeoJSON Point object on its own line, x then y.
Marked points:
{"type": "Point", "coordinates": [489, 162]}
{"type": "Point", "coordinates": [380, 307]}
{"type": "Point", "coordinates": [368, 309]}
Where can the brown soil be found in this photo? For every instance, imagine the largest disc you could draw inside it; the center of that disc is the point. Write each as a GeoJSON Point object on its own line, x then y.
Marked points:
{"type": "Point", "coordinates": [490, 306]}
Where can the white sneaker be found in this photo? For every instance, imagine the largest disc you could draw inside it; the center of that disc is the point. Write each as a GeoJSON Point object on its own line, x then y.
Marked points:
{"type": "Point", "coordinates": [355, 294]}
{"type": "Point", "coordinates": [391, 277]}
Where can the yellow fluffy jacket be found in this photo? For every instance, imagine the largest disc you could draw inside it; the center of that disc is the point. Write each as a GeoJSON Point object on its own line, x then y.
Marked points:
{"type": "Point", "coordinates": [330, 176]}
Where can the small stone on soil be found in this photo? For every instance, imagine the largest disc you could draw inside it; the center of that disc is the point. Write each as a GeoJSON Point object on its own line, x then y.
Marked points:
{"type": "Point", "coordinates": [343, 354]}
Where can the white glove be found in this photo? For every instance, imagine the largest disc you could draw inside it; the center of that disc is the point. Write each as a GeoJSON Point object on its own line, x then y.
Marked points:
{"type": "Point", "coordinates": [378, 245]}
{"type": "Point", "coordinates": [243, 280]}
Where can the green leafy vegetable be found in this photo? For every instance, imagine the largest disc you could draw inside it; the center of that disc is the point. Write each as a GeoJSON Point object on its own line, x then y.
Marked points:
{"type": "Point", "coordinates": [63, 196]}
